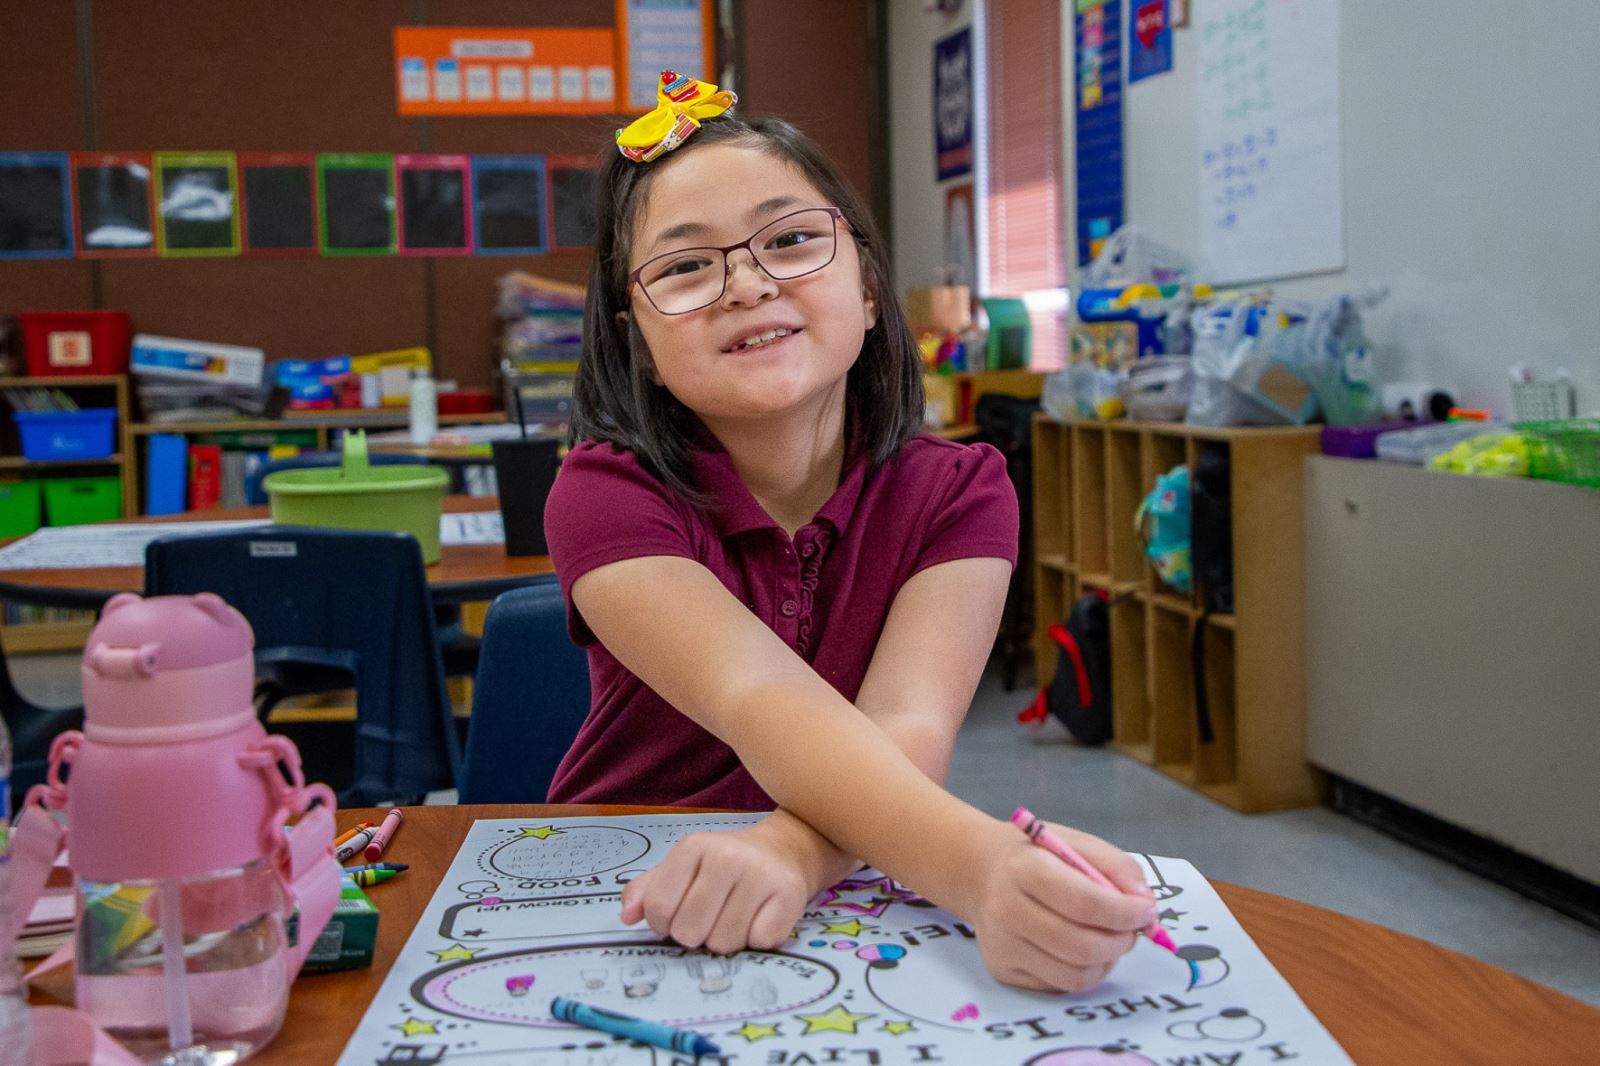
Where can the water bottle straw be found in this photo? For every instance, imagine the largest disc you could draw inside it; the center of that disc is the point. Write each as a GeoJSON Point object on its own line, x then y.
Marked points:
{"type": "Point", "coordinates": [180, 1027]}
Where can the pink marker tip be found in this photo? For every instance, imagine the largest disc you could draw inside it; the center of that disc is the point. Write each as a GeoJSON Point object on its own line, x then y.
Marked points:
{"type": "Point", "coordinates": [1161, 937]}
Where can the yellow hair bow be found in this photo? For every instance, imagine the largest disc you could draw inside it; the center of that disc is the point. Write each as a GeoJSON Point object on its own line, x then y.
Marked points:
{"type": "Point", "coordinates": [681, 102]}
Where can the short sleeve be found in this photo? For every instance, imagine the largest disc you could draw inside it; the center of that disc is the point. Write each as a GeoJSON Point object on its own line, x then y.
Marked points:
{"type": "Point", "coordinates": [604, 507]}
{"type": "Point", "coordinates": [974, 513]}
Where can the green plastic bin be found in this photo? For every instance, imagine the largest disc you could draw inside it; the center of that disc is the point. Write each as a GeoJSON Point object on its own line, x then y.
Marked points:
{"type": "Point", "coordinates": [19, 508]}
{"type": "Point", "coordinates": [72, 501]}
{"type": "Point", "coordinates": [356, 495]}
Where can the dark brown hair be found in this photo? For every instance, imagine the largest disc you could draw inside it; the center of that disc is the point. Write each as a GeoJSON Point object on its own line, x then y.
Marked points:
{"type": "Point", "coordinates": [615, 401]}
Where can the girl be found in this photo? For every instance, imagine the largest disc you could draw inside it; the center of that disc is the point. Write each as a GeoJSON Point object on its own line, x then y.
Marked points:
{"type": "Point", "coordinates": [787, 593]}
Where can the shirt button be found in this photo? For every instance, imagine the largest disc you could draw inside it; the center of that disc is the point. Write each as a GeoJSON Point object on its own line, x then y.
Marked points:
{"type": "Point", "coordinates": [809, 550]}
{"type": "Point", "coordinates": [789, 608]}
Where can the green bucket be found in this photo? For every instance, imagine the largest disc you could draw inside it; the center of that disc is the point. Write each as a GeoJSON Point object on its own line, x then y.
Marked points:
{"type": "Point", "coordinates": [355, 495]}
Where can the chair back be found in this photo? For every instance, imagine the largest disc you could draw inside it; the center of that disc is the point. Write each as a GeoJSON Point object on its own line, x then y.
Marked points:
{"type": "Point", "coordinates": [256, 495]}
{"type": "Point", "coordinates": [530, 698]}
{"type": "Point", "coordinates": [331, 591]}
{"type": "Point", "coordinates": [32, 730]}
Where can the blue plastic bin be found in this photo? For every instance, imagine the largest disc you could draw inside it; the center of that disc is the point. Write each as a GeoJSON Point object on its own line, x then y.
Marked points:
{"type": "Point", "coordinates": [85, 434]}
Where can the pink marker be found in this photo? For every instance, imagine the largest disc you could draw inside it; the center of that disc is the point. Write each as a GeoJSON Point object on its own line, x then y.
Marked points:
{"type": "Point", "coordinates": [1040, 834]}
{"type": "Point", "coordinates": [380, 839]}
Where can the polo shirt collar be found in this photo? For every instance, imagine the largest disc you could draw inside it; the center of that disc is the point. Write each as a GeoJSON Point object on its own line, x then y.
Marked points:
{"type": "Point", "coordinates": [738, 511]}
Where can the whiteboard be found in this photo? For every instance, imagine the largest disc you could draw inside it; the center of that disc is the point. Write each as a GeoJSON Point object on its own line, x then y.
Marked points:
{"type": "Point", "coordinates": [1269, 158]}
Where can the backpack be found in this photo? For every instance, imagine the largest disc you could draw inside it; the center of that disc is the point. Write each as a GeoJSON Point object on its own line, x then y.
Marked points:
{"type": "Point", "coordinates": [1079, 695]}
{"type": "Point", "coordinates": [1162, 525]}
{"type": "Point", "coordinates": [1211, 551]}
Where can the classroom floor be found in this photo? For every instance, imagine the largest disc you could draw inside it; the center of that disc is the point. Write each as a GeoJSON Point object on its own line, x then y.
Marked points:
{"type": "Point", "coordinates": [1313, 855]}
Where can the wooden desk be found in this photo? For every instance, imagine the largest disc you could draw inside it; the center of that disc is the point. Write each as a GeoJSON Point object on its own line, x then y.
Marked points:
{"type": "Point", "coordinates": [1388, 998]}
{"type": "Point", "coordinates": [465, 573]}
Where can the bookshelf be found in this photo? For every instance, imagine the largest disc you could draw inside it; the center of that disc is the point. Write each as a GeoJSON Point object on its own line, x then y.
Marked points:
{"type": "Point", "coordinates": [31, 629]}
{"type": "Point", "coordinates": [1089, 478]}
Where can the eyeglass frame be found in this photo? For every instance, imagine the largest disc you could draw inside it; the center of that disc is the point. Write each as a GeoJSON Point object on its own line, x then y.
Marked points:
{"type": "Point", "coordinates": [633, 279]}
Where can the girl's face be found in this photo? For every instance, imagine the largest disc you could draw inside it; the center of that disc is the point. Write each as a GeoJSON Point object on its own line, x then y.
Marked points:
{"type": "Point", "coordinates": [712, 359]}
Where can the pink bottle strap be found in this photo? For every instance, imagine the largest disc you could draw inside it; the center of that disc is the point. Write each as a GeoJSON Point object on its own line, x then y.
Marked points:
{"type": "Point", "coordinates": [60, 1035]}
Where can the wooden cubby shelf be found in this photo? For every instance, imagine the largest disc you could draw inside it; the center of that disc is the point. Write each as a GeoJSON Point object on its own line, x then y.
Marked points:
{"type": "Point", "coordinates": [1089, 478]}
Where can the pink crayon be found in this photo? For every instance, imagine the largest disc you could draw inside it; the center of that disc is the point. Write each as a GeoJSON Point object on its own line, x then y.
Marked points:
{"type": "Point", "coordinates": [520, 985]}
{"type": "Point", "coordinates": [1040, 834]}
{"type": "Point", "coordinates": [380, 839]}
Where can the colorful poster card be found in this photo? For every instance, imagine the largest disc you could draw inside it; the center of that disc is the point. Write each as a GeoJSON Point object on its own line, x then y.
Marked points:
{"type": "Point", "coordinates": [35, 205]}
{"type": "Point", "coordinates": [197, 198]}
{"type": "Point", "coordinates": [1150, 50]}
{"type": "Point", "coordinates": [434, 211]}
{"type": "Point", "coordinates": [116, 212]}
{"type": "Point", "coordinates": [1097, 35]}
{"type": "Point", "coordinates": [508, 197]}
{"type": "Point", "coordinates": [459, 70]}
{"type": "Point", "coordinates": [280, 203]}
{"type": "Point", "coordinates": [952, 105]}
{"type": "Point", "coordinates": [355, 192]}
{"type": "Point", "coordinates": [657, 35]}
{"type": "Point", "coordinates": [572, 219]}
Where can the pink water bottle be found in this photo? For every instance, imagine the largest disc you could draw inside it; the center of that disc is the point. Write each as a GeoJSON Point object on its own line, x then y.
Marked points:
{"type": "Point", "coordinates": [190, 887]}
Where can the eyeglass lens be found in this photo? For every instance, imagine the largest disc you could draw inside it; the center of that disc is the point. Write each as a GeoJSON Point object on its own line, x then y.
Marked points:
{"type": "Point", "coordinates": [692, 278]}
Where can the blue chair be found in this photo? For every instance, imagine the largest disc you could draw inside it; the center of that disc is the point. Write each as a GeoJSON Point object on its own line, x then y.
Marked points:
{"type": "Point", "coordinates": [459, 648]}
{"type": "Point", "coordinates": [531, 696]}
{"type": "Point", "coordinates": [32, 730]}
{"type": "Point", "coordinates": [346, 608]}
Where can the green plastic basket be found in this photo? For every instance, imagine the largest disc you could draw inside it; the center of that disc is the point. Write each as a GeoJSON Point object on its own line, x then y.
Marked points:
{"type": "Point", "coordinates": [1566, 451]}
{"type": "Point", "coordinates": [356, 495]}
{"type": "Point", "coordinates": [19, 508]}
{"type": "Point", "coordinates": [72, 501]}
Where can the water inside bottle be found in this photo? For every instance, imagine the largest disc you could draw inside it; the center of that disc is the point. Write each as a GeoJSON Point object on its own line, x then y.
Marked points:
{"type": "Point", "coordinates": [234, 975]}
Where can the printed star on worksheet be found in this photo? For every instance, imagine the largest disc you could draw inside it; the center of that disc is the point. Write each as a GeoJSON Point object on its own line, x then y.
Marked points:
{"type": "Point", "coordinates": [1170, 915]}
{"type": "Point", "coordinates": [417, 1027]}
{"type": "Point", "coordinates": [453, 953]}
{"type": "Point", "coordinates": [839, 1019]}
{"type": "Point", "coordinates": [879, 894]}
{"type": "Point", "coordinates": [851, 928]}
{"type": "Point", "coordinates": [896, 1028]}
{"type": "Point", "coordinates": [753, 1032]}
{"type": "Point", "coordinates": [542, 832]}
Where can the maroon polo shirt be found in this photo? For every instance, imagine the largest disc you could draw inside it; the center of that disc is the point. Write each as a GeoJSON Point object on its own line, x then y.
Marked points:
{"type": "Point", "coordinates": [827, 592]}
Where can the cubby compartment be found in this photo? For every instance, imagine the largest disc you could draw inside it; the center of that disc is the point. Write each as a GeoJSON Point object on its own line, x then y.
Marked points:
{"type": "Point", "coordinates": [1089, 503]}
{"type": "Point", "coordinates": [1050, 589]}
{"type": "Point", "coordinates": [1211, 466]}
{"type": "Point", "coordinates": [1172, 693]}
{"type": "Point", "coordinates": [1090, 479]}
{"type": "Point", "coordinates": [1125, 489]}
{"type": "Point", "coordinates": [1130, 678]}
{"type": "Point", "coordinates": [1216, 762]}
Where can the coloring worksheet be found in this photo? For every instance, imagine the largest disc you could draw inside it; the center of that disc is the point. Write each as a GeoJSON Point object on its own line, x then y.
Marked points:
{"type": "Point", "coordinates": [872, 974]}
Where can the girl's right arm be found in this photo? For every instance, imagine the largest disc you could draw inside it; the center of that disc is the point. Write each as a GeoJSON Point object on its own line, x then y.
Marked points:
{"type": "Point", "coordinates": [676, 627]}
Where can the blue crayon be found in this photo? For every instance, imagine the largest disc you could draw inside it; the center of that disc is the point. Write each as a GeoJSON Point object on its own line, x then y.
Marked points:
{"type": "Point", "coordinates": [645, 1032]}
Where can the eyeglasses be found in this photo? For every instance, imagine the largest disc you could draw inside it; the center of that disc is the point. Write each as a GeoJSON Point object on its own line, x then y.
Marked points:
{"type": "Point", "coordinates": [799, 243]}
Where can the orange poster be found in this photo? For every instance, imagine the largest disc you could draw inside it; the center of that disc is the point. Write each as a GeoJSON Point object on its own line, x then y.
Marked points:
{"type": "Point", "coordinates": [452, 70]}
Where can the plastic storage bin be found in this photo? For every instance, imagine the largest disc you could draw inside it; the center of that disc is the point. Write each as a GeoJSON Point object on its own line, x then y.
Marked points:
{"type": "Point", "coordinates": [72, 501]}
{"type": "Point", "coordinates": [67, 343]}
{"type": "Point", "coordinates": [85, 434]}
{"type": "Point", "coordinates": [19, 508]}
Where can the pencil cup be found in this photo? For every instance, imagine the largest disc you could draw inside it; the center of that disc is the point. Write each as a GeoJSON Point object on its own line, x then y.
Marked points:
{"type": "Point", "coordinates": [525, 469]}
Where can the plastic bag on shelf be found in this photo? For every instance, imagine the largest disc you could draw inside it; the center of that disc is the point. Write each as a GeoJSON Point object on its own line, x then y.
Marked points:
{"type": "Point", "coordinates": [1129, 258]}
{"type": "Point", "coordinates": [1247, 365]}
{"type": "Point", "coordinates": [1333, 354]}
